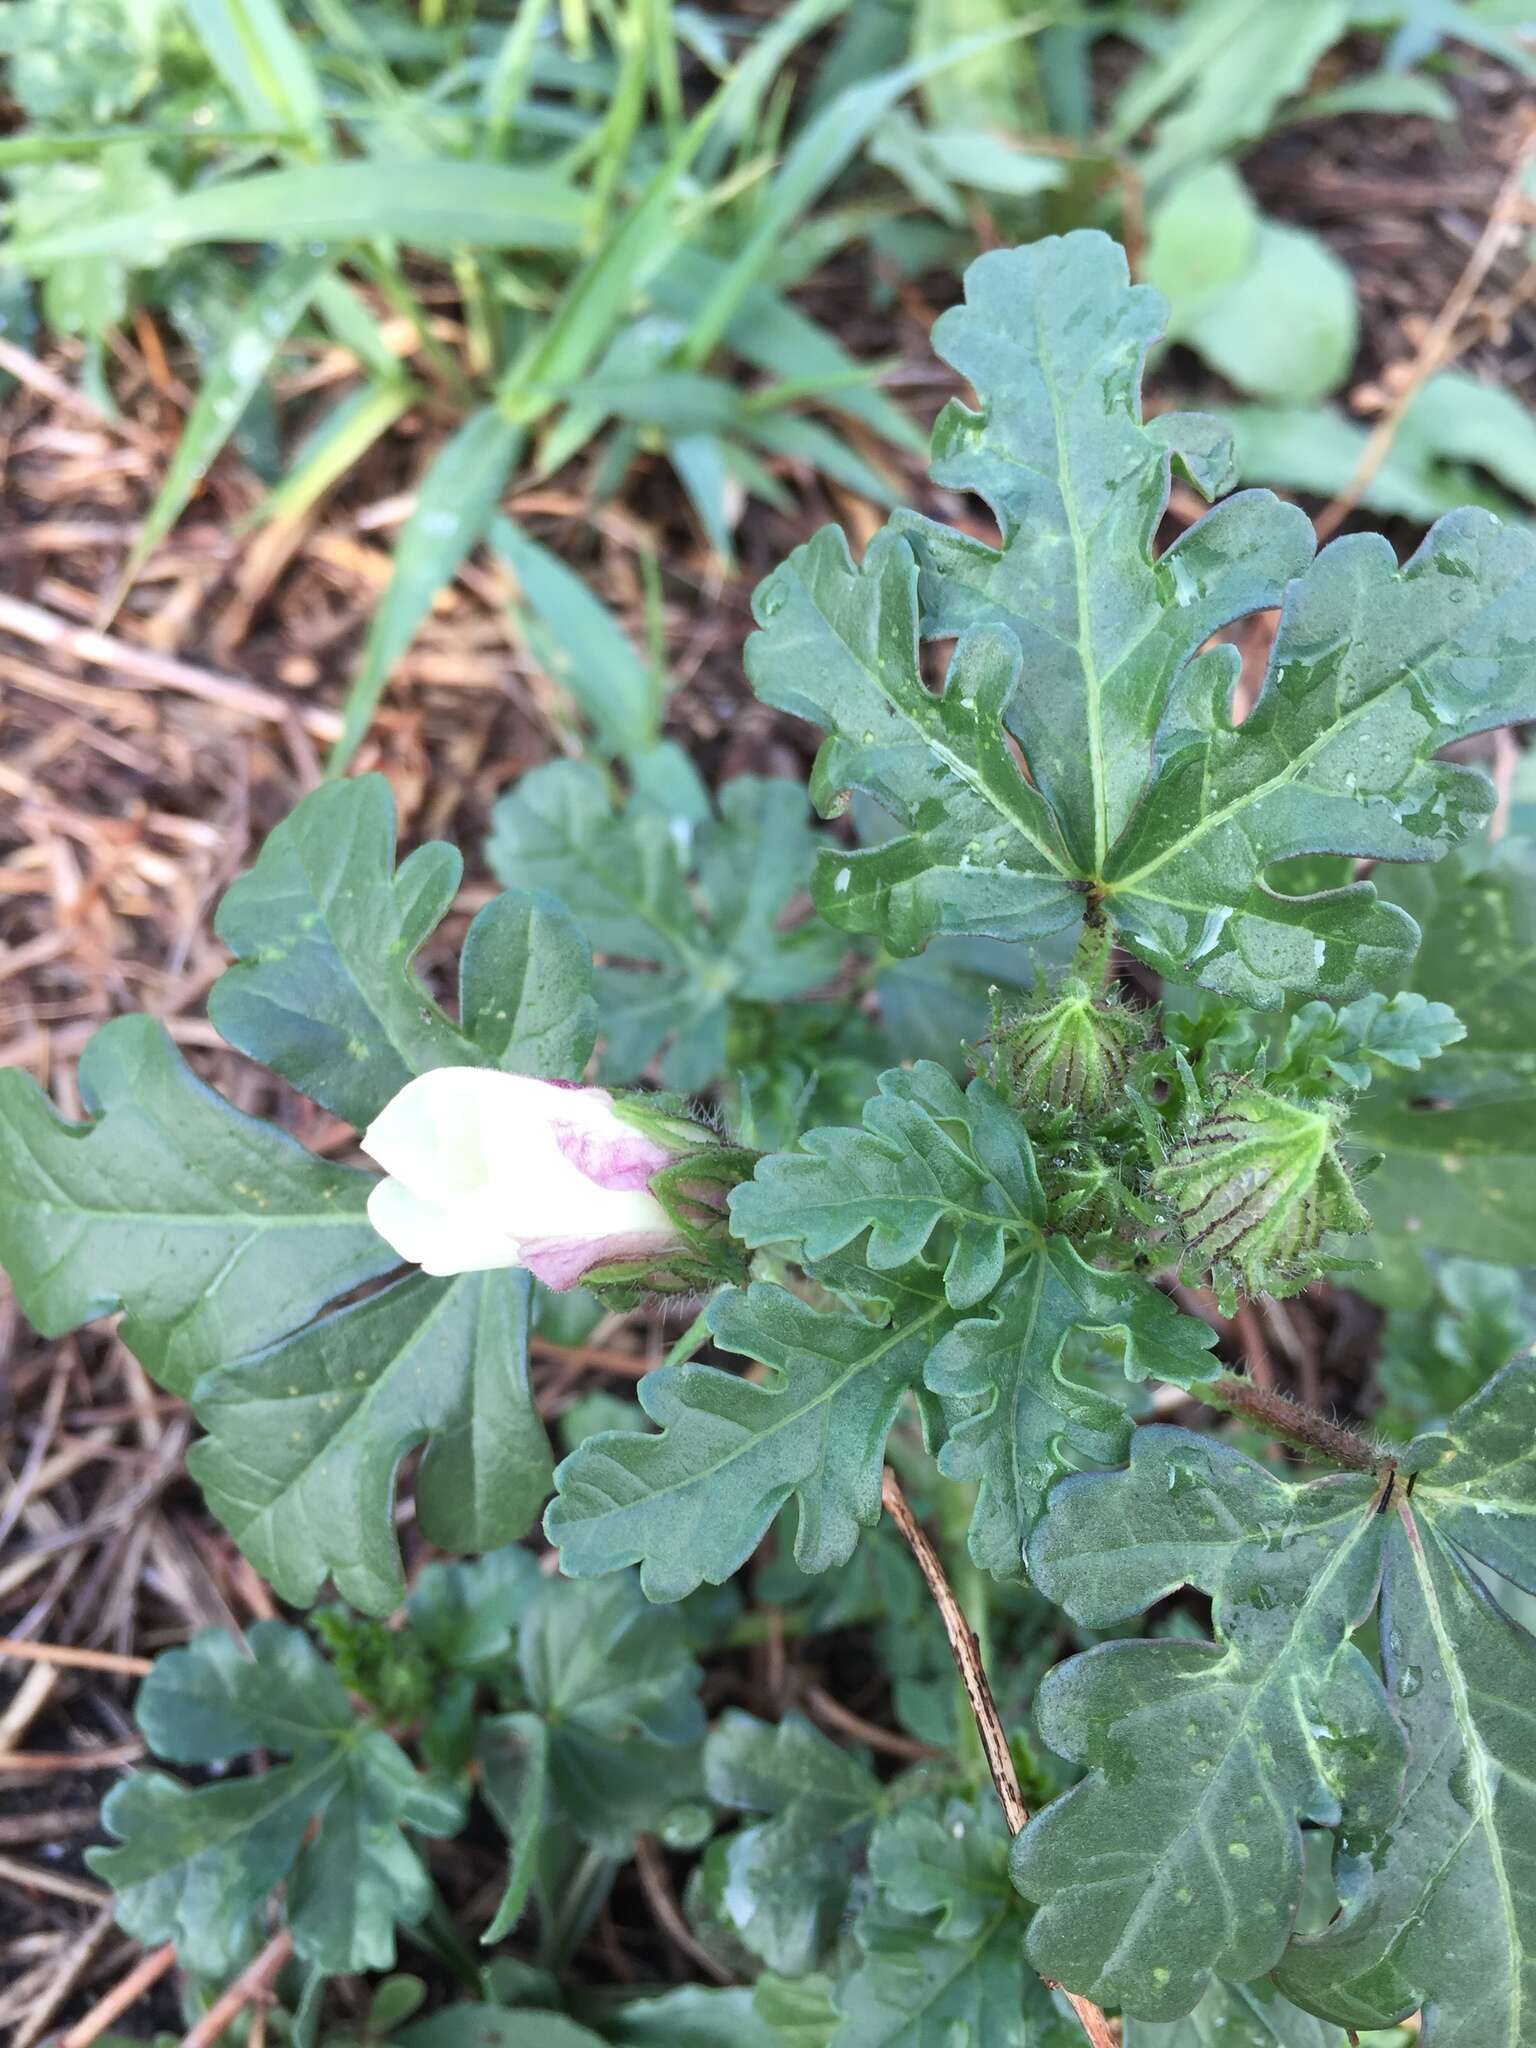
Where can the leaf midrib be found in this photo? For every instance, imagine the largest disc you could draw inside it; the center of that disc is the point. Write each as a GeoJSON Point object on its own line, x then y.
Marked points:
{"type": "Point", "coordinates": [1245, 1722]}
{"type": "Point", "coordinates": [967, 1956]}
{"type": "Point", "coordinates": [931, 736]}
{"type": "Point", "coordinates": [1483, 1779]}
{"type": "Point", "coordinates": [1092, 682]}
{"type": "Point", "coordinates": [693, 959]}
{"type": "Point", "coordinates": [1210, 821]}
{"type": "Point", "coordinates": [897, 1335]}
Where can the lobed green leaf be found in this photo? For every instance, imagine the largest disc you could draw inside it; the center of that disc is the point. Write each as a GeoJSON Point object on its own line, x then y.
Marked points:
{"type": "Point", "coordinates": [214, 1232]}
{"type": "Point", "coordinates": [306, 1437]}
{"type": "Point", "coordinates": [1136, 788]}
{"type": "Point", "coordinates": [324, 929]}
{"type": "Point", "coordinates": [694, 951]}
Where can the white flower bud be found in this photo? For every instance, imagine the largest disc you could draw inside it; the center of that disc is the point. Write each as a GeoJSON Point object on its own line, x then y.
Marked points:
{"type": "Point", "coordinates": [487, 1169]}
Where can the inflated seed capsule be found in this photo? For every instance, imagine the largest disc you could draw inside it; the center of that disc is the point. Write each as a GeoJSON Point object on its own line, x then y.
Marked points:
{"type": "Point", "coordinates": [1073, 1053]}
{"type": "Point", "coordinates": [1255, 1185]}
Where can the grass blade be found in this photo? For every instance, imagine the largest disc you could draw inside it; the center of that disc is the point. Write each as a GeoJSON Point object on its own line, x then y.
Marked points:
{"type": "Point", "coordinates": [578, 643]}
{"type": "Point", "coordinates": [818, 155]}
{"type": "Point", "coordinates": [752, 77]}
{"type": "Point", "coordinates": [508, 74]}
{"type": "Point", "coordinates": [702, 470]}
{"type": "Point", "coordinates": [262, 61]}
{"type": "Point", "coordinates": [453, 503]}
{"type": "Point", "coordinates": [808, 441]}
{"type": "Point", "coordinates": [442, 204]}
{"type": "Point", "coordinates": [601, 295]}
{"type": "Point", "coordinates": [774, 335]}
{"type": "Point", "coordinates": [336, 442]}
{"type": "Point", "coordinates": [234, 375]}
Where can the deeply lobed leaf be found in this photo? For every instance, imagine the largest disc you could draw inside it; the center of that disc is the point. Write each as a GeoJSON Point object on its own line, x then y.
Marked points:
{"type": "Point", "coordinates": [1459, 1174]}
{"type": "Point", "coordinates": [195, 1865]}
{"type": "Point", "coordinates": [1177, 1858]}
{"type": "Point", "coordinates": [1184, 1862]}
{"type": "Point", "coordinates": [618, 1690]}
{"type": "Point", "coordinates": [213, 1231]}
{"type": "Point", "coordinates": [942, 1955]}
{"type": "Point", "coordinates": [324, 929]}
{"type": "Point", "coordinates": [222, 1239]}
{"type": "Point", "coordinates": [1136, 792]}
{"type": "Point", "coordinates": [787, 1876]}
{"type": "Point", "coordinates": [929, 1154]}
{"type": "Point", "coordinates": [1019, 1406]}
{"type": "Point", "coordinates": [691, 1502]}
{"type": "Point", "coordinates": [305, 1438]}
{"type": "Point", "coordinates": [933, 1209]}
{"type": "Point", "coordinates": [698, 934]}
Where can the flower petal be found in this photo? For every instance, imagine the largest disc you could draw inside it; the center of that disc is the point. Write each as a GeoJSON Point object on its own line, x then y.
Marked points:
{"type": "Point", "coordinates": [561, 1262]}
{"type": "Point", "coordinates": [439, 1239]}
{"type": "Point", "coordinates": [430, 1135]}
{"type": "Point", "coordinates": [602, 1145]}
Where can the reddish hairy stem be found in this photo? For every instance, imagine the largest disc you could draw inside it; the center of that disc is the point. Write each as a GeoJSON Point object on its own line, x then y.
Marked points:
{"type": "Point", "coordinates": [1279, 1416]}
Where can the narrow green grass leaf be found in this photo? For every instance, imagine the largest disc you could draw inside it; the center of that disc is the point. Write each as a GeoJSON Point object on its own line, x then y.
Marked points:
{"type": "Point", "coordinates": [822, 150]}
{"type": "Point", "coordinates": [354, 324]}
{"type": "Point", "coordinates": [601, 293]}
{"type": "Point", "coordinates": [453, 503]}
{"type": "Point", "coordinates": [335, 445]}
{"type": "Point", "coordinates": [508, 75]}
{"type": "Point", "coordinates": [578, 642]}
{"type": "Point", "coordinates": [261, 60]}
{"type": "Point", "coordinates": [443, 205]}
{"type": "Point", "coordinates": [702, 470]}
{"type": "Point", "coordinates": [774, 335]}
{"type": "Point", "coordinates": [233, 377]}
{"type": "Point", "coordinates": [45, 146]}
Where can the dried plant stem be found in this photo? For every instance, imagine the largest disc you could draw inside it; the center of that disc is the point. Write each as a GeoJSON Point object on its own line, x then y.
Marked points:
{"type": "Point", "coordinates": [73, 1655]}
{"type": "Point", "coordinates": [994, 1743]}
{"type": "Point", "coordinates": [965, 1650]}
{"type": "Point", "coordinates": [253, 1983]}
{"type": "Point", "coordinates": [1438, 346]}
{"type": "Point", "coordinates": [145, 1973]}
{"type": "Point", "coordinates": [1279, 1416]}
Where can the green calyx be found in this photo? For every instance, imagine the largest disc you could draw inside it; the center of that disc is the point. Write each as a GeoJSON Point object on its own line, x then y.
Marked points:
{"type": "Point", "coordinates": [694, 1191]}
{"type": "Point", "coordinates": [1071, 1054]}
{"type": "Point", "coordinates": [1254, 1188]}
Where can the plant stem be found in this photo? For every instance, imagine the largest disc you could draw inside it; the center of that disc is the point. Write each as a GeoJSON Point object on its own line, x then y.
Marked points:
{"type": "Point", "coordinates": [994, 1743]}
{"type": "Point", "coordinates": [1279, 1416]}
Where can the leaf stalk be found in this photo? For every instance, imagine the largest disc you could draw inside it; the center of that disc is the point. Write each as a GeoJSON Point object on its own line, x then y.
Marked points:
{"type": "Point", "coordinates": [1288, 1421]}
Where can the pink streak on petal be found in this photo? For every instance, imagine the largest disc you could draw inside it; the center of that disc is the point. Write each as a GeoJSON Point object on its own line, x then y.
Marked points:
{"type": "Point", "coordinates": [619, 1158]}
{"type": "Point", "coordinates": [562, 1262]}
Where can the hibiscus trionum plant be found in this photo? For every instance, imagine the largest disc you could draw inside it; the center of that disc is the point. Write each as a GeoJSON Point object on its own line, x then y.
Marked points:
{"type": "Point", "coordinates": [1104, 1002]}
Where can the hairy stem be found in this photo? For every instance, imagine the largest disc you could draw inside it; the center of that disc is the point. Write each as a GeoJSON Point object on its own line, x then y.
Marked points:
{"type": "Point", "coordinates": [1279, 1416]}
{"type": "Point", "coordinates": [994, 1743]}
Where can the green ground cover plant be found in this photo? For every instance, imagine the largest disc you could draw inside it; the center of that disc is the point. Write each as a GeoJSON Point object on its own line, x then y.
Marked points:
{"type": "Point", "coordinates": [1085, 992]}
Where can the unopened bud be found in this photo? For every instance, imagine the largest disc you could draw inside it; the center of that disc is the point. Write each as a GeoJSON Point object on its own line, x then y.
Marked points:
{"type": "Point", "coordinates": [1253, 1189]}
{"type": "Point", "coordinates": [1073, 1053]}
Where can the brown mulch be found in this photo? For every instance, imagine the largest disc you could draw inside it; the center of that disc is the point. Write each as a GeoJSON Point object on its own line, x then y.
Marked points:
{"type": "Point", "coordinates": [133, 790]}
